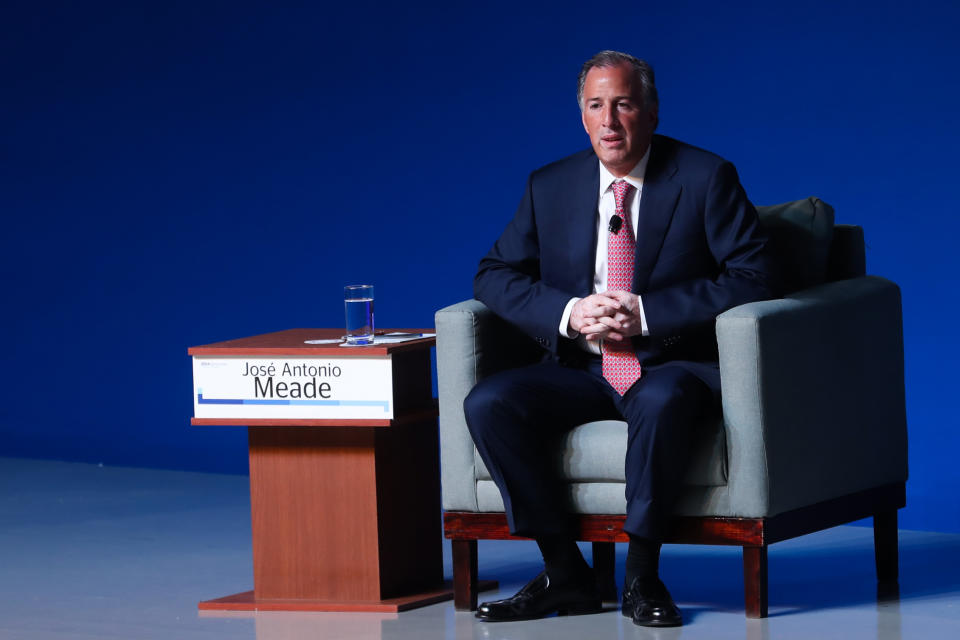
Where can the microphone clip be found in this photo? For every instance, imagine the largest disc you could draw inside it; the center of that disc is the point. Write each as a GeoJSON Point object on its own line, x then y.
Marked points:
{"type": "Point", "coordinates": [616, 222]}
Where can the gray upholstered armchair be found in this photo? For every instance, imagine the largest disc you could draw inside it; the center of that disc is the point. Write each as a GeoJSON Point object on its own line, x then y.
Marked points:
{"type": "Point", "coordinates": [813, 432]}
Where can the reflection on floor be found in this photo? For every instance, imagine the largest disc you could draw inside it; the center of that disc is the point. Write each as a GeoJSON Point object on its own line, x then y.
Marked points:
{"type": "Point", "coordinates": [88, 552]}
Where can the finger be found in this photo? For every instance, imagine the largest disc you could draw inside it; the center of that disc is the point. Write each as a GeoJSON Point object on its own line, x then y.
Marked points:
{"type": "Point", "coordinates": [625, 298]}
{"type": "Point", "coordinates": [594, 328]}
{"type": "Point", "coordinates": [597, 300]}
{"type": "Point", "coordinates": [601, 311]}
{"type": "Point", "coordinates": [600, 299]}
{"type": "Point", "coordinates": [610, 322]}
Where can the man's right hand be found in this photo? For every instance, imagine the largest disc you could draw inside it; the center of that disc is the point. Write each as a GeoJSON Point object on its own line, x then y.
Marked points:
{"type": "Point", "coordinates": [593, 316]}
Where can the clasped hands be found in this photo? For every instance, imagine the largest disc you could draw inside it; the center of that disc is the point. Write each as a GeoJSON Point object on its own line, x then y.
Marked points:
{"type": "Point", "coordinates": [611, 315]}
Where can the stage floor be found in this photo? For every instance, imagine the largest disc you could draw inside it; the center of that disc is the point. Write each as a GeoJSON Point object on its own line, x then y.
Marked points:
{"type": "Point", "coordinates": [89, 552]}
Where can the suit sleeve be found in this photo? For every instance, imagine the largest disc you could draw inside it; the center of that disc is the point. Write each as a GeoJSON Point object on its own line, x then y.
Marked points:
{"type": "Point", "coordinates": [508, 279]}
{"type": "Point", "coordinates": [745, 270]}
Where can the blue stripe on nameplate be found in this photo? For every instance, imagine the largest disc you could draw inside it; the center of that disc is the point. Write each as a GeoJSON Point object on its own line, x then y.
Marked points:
{"type": "Point", "coordinates": [294, 402]}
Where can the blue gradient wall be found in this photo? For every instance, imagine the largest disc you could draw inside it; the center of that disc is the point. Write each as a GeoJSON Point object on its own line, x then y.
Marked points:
{"type": "Point", "coordinates": [179, 173]}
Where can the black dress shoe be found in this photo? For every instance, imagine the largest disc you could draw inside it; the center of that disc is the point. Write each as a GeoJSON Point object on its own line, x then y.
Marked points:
{"type": "Point", "coordinates": [540, 598]}
{"type": "Point", "coordinates": [650, 605]}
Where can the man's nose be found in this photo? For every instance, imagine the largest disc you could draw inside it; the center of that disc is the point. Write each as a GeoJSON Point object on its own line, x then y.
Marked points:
{"type": "Point", "coordinates": [610, 116]}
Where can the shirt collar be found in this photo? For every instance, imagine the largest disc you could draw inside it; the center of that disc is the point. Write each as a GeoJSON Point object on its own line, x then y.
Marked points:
{"type": "Point", "coordinates": [635, 177]}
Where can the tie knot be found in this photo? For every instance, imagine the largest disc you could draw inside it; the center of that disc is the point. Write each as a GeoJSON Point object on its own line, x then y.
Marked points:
{"type": "Point", "coordinates": [620, 190]}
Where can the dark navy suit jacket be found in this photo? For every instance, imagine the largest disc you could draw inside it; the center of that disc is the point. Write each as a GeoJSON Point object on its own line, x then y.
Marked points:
{"type": "Point", "coordinates": [700, 251]}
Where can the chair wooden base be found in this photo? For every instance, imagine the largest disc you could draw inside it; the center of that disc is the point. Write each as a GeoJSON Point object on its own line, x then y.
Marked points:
{"type": "Point", "coordinates": [753, 534]}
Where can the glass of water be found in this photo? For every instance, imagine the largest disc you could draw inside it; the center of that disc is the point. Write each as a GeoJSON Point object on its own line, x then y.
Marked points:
{"type": "Point", "coordinates": [358, 303]}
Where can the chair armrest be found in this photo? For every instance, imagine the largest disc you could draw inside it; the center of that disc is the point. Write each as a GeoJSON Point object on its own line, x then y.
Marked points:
{"type": "Point", "coordinates": [472, 343]}
{"type": "Point", "coordinates": [813, 395]}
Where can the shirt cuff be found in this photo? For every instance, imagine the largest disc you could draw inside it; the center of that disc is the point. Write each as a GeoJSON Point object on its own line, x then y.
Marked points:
{"type": "Point", "coordinates": [643, 318]}
{"type": "Point", "coordinates": [565, 320]}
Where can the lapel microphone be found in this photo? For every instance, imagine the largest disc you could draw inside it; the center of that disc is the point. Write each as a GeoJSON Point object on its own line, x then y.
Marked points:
{"type": "Point", "coordinates": [615, 223]}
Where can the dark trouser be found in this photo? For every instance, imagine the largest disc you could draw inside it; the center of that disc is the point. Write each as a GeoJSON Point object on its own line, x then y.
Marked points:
{"type": "Point", "coordinates": [517, 418]}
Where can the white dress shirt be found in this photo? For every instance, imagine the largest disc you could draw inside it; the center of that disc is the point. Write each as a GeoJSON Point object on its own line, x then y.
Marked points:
{"type": "Point", "coordinates": [606, 207]}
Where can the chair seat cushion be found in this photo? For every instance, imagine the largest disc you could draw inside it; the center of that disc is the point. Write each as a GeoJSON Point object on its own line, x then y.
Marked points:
{"type": "Point", "coordinates": [595, 451]}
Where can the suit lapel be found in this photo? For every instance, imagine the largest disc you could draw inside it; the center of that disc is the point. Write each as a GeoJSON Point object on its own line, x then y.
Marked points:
{"type": "Point", "coordinates": [657, 204]}
{"type": "Point", "coordinates": [582, 226]}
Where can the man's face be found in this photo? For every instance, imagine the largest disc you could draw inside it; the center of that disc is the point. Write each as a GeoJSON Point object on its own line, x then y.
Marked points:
{"type": "Point", "coordinates": [619, 125]}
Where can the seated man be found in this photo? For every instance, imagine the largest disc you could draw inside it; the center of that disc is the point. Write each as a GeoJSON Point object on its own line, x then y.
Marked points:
{"type": "Point", "coordinates": [617, 262]}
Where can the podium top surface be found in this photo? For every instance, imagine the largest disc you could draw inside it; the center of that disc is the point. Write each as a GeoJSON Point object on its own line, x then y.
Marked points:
{"type": "Point", "coordinates": [292, 342]}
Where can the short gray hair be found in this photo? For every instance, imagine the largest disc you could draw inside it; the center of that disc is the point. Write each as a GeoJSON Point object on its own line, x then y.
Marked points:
{"type": "Point", "coordinates": [642, 71]}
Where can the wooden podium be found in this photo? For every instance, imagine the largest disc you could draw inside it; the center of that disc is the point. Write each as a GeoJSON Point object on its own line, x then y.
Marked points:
{"type": "Point", "coordinates": [345, 510]}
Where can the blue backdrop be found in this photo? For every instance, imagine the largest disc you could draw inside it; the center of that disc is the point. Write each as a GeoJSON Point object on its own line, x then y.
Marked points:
{"type": "Point", "coordinates": [177, 173]}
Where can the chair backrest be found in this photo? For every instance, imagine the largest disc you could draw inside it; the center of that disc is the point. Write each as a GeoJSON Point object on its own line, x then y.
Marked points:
{"type": "Point", "coordinates": [847, 253]}
{"type": "Point", "coordinates": [810, 248]}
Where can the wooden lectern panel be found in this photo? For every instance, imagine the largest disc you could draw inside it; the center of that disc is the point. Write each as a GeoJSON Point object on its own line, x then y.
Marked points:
{"type": "Point", "coordinates": [409, 517]}
{"type": "Point", "coordinates": [345, 513]}
{"type": "Point", "coordinates": [314, 513]}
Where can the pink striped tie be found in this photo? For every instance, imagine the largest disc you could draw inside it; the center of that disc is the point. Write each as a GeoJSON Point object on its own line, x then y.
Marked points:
{"type": "Point", "coordinates": [620, 365]}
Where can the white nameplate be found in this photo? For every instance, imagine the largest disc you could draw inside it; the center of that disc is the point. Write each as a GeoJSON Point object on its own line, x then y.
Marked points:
{"type": "Point", "coordinates": [293, 387]}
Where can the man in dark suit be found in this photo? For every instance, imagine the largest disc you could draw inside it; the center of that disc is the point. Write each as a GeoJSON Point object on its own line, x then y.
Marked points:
{"type": "Point", "coordinates": [617, 262]}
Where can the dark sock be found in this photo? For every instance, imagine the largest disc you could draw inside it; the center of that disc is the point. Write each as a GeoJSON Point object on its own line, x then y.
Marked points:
{"type": "Point", "coordinates": [643, 561]}
{"type": "Point", "coordinates": [563, 560]}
